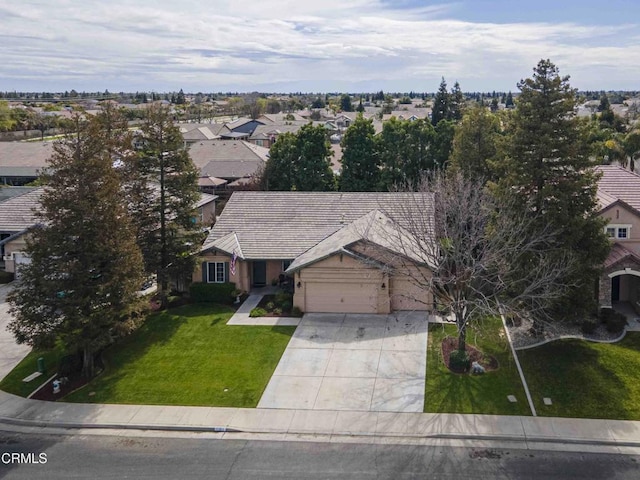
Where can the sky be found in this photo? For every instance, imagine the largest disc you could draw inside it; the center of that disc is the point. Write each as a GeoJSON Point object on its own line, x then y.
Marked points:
{"type": "Point", "coordinates": [314, 45]}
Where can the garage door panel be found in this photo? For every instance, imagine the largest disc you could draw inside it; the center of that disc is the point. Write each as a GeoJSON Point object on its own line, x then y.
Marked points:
{"type": "Point", "coordinates": [341, 297]}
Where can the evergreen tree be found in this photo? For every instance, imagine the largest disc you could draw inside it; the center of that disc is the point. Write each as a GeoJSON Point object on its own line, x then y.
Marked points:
{"type": "Point", "coordinates": [313, 169]}
{"type": "Point", "coordinates": [345, 103]}
{"type": "Point", "coordinates": [549, 170]}
{"type": "Point", "coordinates": [86, 268]}
{"type": "Point", "coordinates": [170, 238]}
{"type": "Point", "coordinates": [456, 104]}
{"type": "Point", "coordinates": [509, 101]}
{"type": "Point", "coordinates": [360, 107]}
{"type": "Point", "coordinates": [278, 172]}
{"type": "Point", "coordinates": [443, 142]}
{"type": "Point", "coordinates": [180, 99]}
{"type": "Point", "coordinates": [441, 104]}
{"type": "Point", "coordinates": [360, 168]}
{"type": "Point", "coordinates": [475, 144]}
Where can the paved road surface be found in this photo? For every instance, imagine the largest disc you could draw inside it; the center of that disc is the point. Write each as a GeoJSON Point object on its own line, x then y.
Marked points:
{"type": "Point", "coordinates": [171, 458]}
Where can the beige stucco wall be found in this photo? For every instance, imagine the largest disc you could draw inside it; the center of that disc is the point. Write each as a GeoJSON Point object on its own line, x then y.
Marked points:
{"type": "Point", "coordinates": [17, 245]}
{"type": "Point", "coordinates": [241, 277]}
{"type": "Point", "coordinates": [620, 215]}
{"type": "Point", "coordinates": [409, 293]}
{"type": "Point", "coordinates": [207, 214]}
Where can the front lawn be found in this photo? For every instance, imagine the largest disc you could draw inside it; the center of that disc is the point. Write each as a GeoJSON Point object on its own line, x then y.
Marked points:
{"type": "Point", "coordinates": [13, 383]}
{"type": "Point", "coordinates": [585, 379]}
{"type": "Point", "coordinates": [447, 392]}
{"type": "Point", "coordinates": [189, 356]}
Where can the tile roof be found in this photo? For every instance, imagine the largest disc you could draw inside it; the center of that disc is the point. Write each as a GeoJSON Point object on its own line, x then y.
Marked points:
{"type": "Point", "coordinates": [204, 131]}
{"type": "Point", "coordinates": [620, 184]}
{"type": "Point", "coordinates": [374, 228]}
{"type": "Point", "coordinates": [17, 213]}
{"type": "Point", "coordinates": [264, 132]}
{"type": "Point", "coordinates": [7, 191]}
{"type": "Point", "coordinates": [227, 159]}
{"type": "Point", "coordinates": [283, 225]}
{"type": "Point", "coordinates": [28, 156]}
{"type": "Point", "coordinates": [618, 253]}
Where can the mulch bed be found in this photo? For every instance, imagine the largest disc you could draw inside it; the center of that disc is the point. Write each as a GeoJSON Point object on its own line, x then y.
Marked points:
{"type": "Point", "coordinates": [271, 299]}
{"type": "Point", "coordinates": [449, 344]}
{"type": "Point", "coordinates": [46, 392]}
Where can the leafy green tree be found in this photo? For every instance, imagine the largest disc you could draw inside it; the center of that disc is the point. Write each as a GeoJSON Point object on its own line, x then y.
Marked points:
{"type": "Point", "coordinates": [318, 103]}
{"type": "Point", "coordinates": [169, 236]}
{"type": "Point", "coordinates": [313, 169]}
{"type": "Point", "coordinates": [360, 107]}
{"type": "Point", "coordinates": [279, 172]}
{"type": "Point", "coordinates": [300, 161]}
{"type": "Point", "coordinates": [360, 167]}
{"type": "Point", "coordinates": [549, 169]}
{"type": "Point", "coordinates": [441, 104]}
{"type": "Point", "coordinates": [443, 142]}
{"type": "Point", "coordinates": [345, 103]}
{"type": "Point", "coordinates": [86, 267]}
{"type": "Point", "coordinates": [7, 122]}
{"type": "Point", "coordinates": [631, 146]}
{"type": "Point", "coordinates": [475, 144]}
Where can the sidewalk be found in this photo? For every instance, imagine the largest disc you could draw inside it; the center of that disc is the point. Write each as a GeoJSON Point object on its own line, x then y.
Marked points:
{"type": "Point", "coordinates": [241, 317]}
{"type": "Point", "coordinates": [612, 436]}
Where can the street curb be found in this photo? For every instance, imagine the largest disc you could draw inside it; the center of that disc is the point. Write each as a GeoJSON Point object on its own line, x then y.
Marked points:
{"type": "Point", "coordinates": [211, 429]}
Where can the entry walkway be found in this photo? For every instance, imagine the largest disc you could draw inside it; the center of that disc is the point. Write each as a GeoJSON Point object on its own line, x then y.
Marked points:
{"type": "Point", "coordinates": [356, 362]}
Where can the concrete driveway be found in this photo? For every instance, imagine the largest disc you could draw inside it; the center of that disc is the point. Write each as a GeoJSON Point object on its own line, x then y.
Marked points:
{"type": "Point", "coordinates": [10, 352]}
{"type": "Point", "coordinates": [352, 362]}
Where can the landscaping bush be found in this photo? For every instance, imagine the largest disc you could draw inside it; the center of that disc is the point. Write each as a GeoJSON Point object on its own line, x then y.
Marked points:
{"type": "Point", "coordinates": [286, 306]}
{"type": "Point", "coordinates": [277, 311]}
{"type": "Point", "coordinates": [616, 323]}
{"type": "Point", "coordinates": [270, 306]}
{"type": "Point", "coordinates": [589, 326]}
{"type": "Point", "coordinates": [6, 277]}
{"type": "Point", "coordinates": [459, 361]}
{"type": "Point", "coordinates": [212, 292]}
{"type": "Point", "coordinates": [283, 298]}
{"type": "Point", "coordinates": [296, 312]}
{"type": "Point", "coordinates": [606, 314]}
{"type": "Point", "coordinates": [258, 312]}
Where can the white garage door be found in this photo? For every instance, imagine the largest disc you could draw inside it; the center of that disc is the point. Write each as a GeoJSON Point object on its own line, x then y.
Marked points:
{"type": "Point", "coordinates": [341, 297]}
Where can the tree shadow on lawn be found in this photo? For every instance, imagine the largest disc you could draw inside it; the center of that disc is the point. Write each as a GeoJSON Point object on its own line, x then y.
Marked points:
{"type": "Point", "coordinates": [573, 374]}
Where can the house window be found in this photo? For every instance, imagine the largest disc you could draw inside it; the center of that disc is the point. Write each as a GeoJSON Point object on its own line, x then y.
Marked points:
{"type": "Point", "coordinates": [618, 231]}
{"type": "Point", "coordinates": [260, 143]}
{"type": "Point", "coordinates": [285, 264]}
{"type": "Point", "coordinates": [216, 272]}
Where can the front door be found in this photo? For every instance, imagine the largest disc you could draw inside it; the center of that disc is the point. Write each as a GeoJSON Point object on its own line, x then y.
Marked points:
{"type": "Point", "coordinates": [615, 289]}
{"type": "Point", "coordinates": [259, 274]}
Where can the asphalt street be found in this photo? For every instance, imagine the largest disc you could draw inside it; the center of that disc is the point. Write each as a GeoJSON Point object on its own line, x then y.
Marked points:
{"type": "Point", "coordinates": [75, 457]}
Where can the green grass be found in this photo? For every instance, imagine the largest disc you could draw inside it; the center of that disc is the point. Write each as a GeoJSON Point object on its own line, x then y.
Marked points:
{"type": "Point", "coordinates": [447, 392]}
{"type": "Point", "coordinates": [188, 356]}
{"type": "Point", "coordinates": [13, 383]}
{"type": "Point", "coordinates": [585, 379]}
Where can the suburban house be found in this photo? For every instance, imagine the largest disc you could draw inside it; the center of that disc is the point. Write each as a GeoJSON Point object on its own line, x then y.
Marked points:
{"type": "Point", "coordinates": [196, 132]}
{"type": "Point", "coordinates": [17, 214]}
{"type": "Point", "coordinates": [266, 135]}
{"type": "Point", "coordinates": [619, 201]}
{"type": "Point", "coordinates": [229, 160]}
{"type": "Point", "coordinates": [21, 162]}
{"type": "Point", "coordinates": [340, 252]}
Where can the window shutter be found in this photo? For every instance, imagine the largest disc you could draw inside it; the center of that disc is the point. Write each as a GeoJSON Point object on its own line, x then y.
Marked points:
{"type": "Point", "coordinates": [226, 271]}
{"type": "Point", "coordinates": [204, 272]}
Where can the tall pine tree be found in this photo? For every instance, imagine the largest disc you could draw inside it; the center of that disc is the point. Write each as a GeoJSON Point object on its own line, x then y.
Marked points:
{"type": "Point", "coordinates": [549, 170]}
{"type": "Point", "coordinates": [86, 267]}
{"type": "Point", "coordinates": [360, 167]}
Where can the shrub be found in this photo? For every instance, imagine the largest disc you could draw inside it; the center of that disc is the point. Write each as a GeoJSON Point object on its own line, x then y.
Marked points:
{"type": "Point", "coordinates": [270, 306]}
{"type": "Point", "coordinates": [283, 298]}
{"type": "Point", "coordinates": [589, 326]}
{"type": "Point", "coordinates": [459, 361]}
{"type": "Point", "coordinates": [616, 323]}
{"type": "Point", "coordinates": [6, 277]}
{"type": "Point", "coordinates": [277, 311]}
{"type": "Point", "coordinates": [286, 306]}
{"type": "Point", "coordinates": [212, 292]}
{"type": "Point", "coordinates": [296, 312]}
{"type": "Point", "coordinates": [258, 312]}
{"type": "Point", "coordinates": [606, 314]}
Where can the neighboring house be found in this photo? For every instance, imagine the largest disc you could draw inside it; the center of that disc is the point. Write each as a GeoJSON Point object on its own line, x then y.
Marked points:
{"type": "Point", "coordinates": [619, 201]}
{"type": "Point", "coordinates": [17, 214]}
{"type": "Point", "coordinates": [266, 135]}
{"type": "Point", "coordinates": [338, 250]}
{"type": "Point", "coordinates": [21, 162]}
{"type": "Point", "coordinates": [196, 132]}
{"type": "Point", "coordinates": [205, 210]}
{"type": "Point", "coordinates": [229, 160]}
{"type": "Point", "coordinates": [243, 126]}
{"type": "Point", "coordinates": [280, 118]}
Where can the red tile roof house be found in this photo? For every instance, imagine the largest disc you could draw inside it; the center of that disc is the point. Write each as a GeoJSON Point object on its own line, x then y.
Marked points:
{"type": "Point", "coordinates": [334, 246]}
{"type": "Point", "coordinates": [619, 200]}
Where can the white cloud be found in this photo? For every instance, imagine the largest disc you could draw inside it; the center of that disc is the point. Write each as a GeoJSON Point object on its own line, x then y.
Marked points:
{"type": "Point", "coordinates": [292, 45]}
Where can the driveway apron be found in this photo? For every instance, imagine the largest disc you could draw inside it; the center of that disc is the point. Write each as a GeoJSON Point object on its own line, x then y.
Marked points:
{"type": "Point", "coordinates": [10, 352]}
{"type": "Point", "coordinates": [356, 362]}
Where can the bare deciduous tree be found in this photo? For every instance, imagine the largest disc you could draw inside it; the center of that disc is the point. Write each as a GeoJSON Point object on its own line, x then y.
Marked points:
{"type": "Point", "coordinates": [468, 248]}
